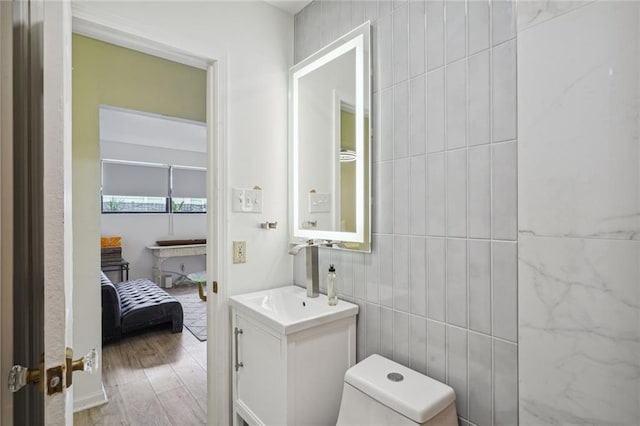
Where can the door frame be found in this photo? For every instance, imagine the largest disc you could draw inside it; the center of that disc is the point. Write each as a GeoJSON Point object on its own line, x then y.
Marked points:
{"type": "Point", "coordinates": [218, 377]}
{"type": "Point", "coordinates": [6, 211]}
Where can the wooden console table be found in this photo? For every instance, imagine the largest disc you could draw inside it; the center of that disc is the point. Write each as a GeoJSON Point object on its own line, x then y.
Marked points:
{"type": "Point", "coordinates": [162, 253]}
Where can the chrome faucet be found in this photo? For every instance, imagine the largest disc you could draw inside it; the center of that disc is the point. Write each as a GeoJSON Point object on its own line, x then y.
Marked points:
{"type": "Point", "coordinates": [313, 277]}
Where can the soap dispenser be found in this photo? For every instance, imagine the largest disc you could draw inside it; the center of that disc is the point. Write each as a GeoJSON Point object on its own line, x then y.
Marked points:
{"type": "Point", "coordinates": [332, 287]}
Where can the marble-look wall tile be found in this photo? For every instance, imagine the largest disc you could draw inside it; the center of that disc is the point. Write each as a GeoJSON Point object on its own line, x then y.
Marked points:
{"type": "Point", "coordinates": [383, 185]}
{"type": "Point", "coordinates": [579, 334]}
{"type": "Point", "coordinates": [505, 383]}
{"type": "Point", "coordinates": [418, 276]}
{"type": "Point", "coordinates": [457, 366]}
{"type": "Point", "coordinates": [384, 126]}
{"type": "Point", "coordinates": [401, 273]}
{"type": "Point", "coordinates": [505, 290]}
{"type": "Point", "coordinates": [435, 34]}
{"type": "Point", "coordinates": [401, 120]}
{"type": "Point", "coordinates": [313, 28]}
{"type": "Point", "coordinates": [417, 38]}
{"type": "Point", "coordinates": [386, 333]}
{"type": "Point", "coordinates": [581, 121]}
{"type": "Point", "coordinates": [372, 271]}
{"type": "Point", "coordinates": [479, 192]}
{"type": "Point", "coordinates": [504, 21]}
{"type": "Point", "coordinates": [401, 195]}
{"type": "Point", "coordinates": [436, 351]}
{"type": "Point", "coordinates": [330, 21]}
{"type": "Point", "coordinates": [343, 263]}
{"type": "Point", "coordinates": [478, 26]}
{"type": "Point", "coordinates": [384, 62]}
{"type": "Point", "coordinates": [504, 202]}
{"type": "Point", "coordinates": [479, 99]}
{"type": "Point", "coordinates": [504, 92]}
{"type": "Point", "coordinates": [299, 36]}
{"type": "Point", "coordinates": [401, 337]}
{"type": "Point", "coordinates": [370, 10]}
{"type": "Point", "coordinates": [435, 111]}
{"type": "Point", "coordinates": [357, 13]}
{"type": "Point", "coordinates": [372, 339]}
{"type": "Point", "coordinates": [359, 280]}
{"type": "Point", "coordinates": [455, 12]}
{"type": "Point", "coordinates": [436, 278]}
{"type": "Point", "coordinates": [324, 260]}
{"type": "Point", "coordinates": [384, 8]}
{"type": "Point", "coordinates": [456, 76]}
{"type": "Point", "coordinates": [480, 379]}
{"type": "Point", "coordinates": [360, 325]}
{"type": "Point", "coordinates": [534, 12]}
{"type": "Point", "coordinates": [385, 285]}
{"type": "Point", "coordinates": [436, 194]}
{"type": "Point", "coordinates": [417, 115]}
{"type": "Point", "coordinates": [579, 351]}
{"type": "Point", "coordinates": [418, 342]}
{"type": "Point", "coordinates": [457, 193]}
{"type": "Point", "coordinates": [418, 197]}
{"type": "Point", "coordinates": [457, 282]}
{"type": "Point", "coordinates": [480, 286]}
{"type": "Point", "coordinates": [400, 44]}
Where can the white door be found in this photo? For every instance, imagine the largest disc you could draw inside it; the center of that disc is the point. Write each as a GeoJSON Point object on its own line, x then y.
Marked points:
{"type": "Point", "coordinates": [35, 207]}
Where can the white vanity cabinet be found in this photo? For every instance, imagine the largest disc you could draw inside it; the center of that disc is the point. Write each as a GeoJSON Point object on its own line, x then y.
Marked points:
{"type": "Point", "coordinates": [290, 373]}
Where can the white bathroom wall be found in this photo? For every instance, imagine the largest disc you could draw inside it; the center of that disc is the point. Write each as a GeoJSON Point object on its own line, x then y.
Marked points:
{"type": "Point", "coordinates": [579, 198]}
{"type": "Point", "coordinates": [438, 292]}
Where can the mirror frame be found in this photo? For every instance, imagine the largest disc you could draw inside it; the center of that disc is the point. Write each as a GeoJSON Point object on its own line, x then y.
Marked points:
{"type": "Point", "coordinates": [360, 40]}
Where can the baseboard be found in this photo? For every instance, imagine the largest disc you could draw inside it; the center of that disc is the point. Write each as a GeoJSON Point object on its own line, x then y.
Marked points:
{"type": "Point", "coordinates": [89, 401]}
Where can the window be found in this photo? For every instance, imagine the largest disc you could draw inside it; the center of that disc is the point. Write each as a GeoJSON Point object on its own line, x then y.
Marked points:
{"type": "Point", "coordinates": [129, 204]}
{"type": "Point", "coordinates": [129, 187]}
{"type": "Point", "coordinates": [188, 205]}
{"type": "Point", "coordinates": [188, 190]}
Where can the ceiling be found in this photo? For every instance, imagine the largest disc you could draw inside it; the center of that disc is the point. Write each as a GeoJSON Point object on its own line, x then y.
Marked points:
{"type": "Point", "coordinates": [290, 6]}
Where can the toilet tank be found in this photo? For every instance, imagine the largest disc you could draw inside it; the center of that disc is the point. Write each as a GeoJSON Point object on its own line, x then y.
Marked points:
{"type": "Point", "coordinates": [380, 391]}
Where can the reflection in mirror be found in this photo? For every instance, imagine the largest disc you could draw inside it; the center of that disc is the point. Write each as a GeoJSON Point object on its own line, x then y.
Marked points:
{"type": "Point", "coordinates": [330, 104]}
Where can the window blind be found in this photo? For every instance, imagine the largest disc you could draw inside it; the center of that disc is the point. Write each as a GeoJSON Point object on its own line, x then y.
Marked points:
{"type": "Point", "coordinates": [189, 183]}
{"type": "Point", "coordinates": [133, 179]}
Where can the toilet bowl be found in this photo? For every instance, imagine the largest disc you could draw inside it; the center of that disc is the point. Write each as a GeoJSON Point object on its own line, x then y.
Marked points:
{"type": "Point", "coordinates": [378, 391]}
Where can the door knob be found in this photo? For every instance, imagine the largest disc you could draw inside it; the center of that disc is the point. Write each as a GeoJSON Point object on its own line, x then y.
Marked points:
{"type": "Point", "coordinates": [20, 376]}
{"type": "Point", "coordinates": [88, 363]}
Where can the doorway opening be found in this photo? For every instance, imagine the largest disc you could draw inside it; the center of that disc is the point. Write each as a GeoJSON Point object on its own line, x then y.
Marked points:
{"type": "Point", "coordinates": [149, 363]}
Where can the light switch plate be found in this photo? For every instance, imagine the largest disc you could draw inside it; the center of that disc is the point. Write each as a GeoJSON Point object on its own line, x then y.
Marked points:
{"type": "Point", "coordinates": [246, 200]}
{"type": "Point", "coordinates": [319, 202]}
{"type": "Point", "coordinates": [239, 252]}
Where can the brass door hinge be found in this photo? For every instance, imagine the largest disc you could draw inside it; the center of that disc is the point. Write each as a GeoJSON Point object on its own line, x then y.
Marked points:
{"type": "Point", "coordinates": [214, 287]}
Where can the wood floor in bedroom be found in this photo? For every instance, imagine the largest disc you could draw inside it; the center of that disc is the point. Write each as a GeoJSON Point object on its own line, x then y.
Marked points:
{"type": "Point", "coordinates": [155, 378]}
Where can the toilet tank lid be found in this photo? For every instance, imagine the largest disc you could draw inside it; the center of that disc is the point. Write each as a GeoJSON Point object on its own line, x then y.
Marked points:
{"type": "Point", "coordinates": [416, 396]}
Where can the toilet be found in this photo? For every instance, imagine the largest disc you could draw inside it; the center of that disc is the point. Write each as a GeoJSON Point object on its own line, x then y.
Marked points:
{"type": "Point", "coordinates": [378, 391]}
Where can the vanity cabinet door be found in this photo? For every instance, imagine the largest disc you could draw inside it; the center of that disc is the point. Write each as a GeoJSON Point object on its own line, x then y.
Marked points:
{"type": "Point", "coordinates": [260, 381]}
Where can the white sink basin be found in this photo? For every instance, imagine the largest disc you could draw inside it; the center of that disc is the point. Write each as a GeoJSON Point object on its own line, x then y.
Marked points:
{"type": "Point", "coordinates": [288, 309]}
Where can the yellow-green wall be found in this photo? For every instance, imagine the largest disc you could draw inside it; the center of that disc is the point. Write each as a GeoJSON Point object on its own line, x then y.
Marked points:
{"type": "Point", "coordinates": [110, 75]}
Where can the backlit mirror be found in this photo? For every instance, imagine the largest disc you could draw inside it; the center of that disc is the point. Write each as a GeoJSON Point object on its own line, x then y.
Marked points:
{"type": "Point", "coordinates": [330, 99]}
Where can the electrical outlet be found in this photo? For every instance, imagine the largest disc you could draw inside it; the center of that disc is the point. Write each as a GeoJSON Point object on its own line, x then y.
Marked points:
{"type": "Point", "coordinates": [239, 252]}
